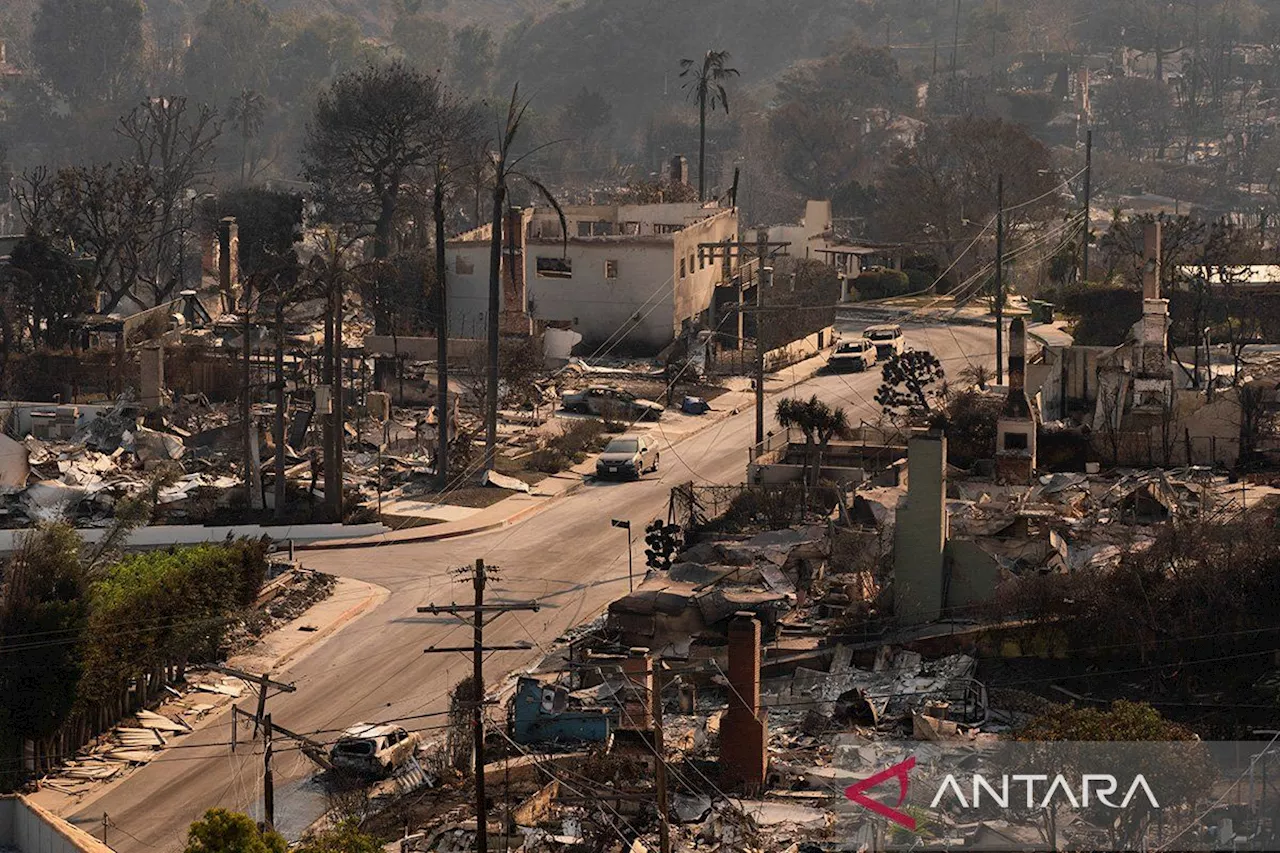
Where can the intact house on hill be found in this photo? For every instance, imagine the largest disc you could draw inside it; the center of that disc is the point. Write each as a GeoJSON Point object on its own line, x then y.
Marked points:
{"type": "Point", "coordinates": [630, 274]}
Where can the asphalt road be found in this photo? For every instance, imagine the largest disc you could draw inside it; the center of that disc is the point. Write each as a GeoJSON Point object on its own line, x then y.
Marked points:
{"type": "Point", "coordinates": [568, 557]}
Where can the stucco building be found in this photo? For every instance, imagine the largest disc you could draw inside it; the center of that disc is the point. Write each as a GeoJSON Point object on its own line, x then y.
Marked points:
{"type": "Point", "coordinates": [631, 275]}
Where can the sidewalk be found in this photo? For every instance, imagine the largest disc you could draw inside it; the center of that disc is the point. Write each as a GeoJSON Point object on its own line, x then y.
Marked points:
{"type": "Point", "coordinates": [676, 426]}
{"type": "Point", "coordinates": [285, 645]}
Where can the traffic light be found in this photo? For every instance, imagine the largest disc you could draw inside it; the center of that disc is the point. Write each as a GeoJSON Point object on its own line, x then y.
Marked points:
{"type": "Point", "coordinates": [664, 541]}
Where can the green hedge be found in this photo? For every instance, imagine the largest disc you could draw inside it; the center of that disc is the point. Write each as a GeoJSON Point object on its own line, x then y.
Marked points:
{"type": "Point", "coordinates": [162, 608]}
{"type": "Point", "coordinates": [881, 284]}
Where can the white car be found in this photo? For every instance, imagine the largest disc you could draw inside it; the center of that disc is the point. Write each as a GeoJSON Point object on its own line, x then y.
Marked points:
{"type": "Point", "coordinates": [373, 750]}
{"type": "Point", "coordinates": [858, 354]}
{"type": "Point", "coordinates": [888, 339]}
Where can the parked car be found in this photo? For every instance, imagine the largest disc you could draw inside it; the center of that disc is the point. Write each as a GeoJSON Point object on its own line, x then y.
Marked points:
{"type": "Point", "coordinates": [373, 750]}
{"type": "Point", "coordinates": [857, 354]}
{"type": "Point", "coordinates": [888, 339]}
{"type": "Point", "coordinates": [628, 456]}
{"type": "Point", "coordinates": [613, 403]}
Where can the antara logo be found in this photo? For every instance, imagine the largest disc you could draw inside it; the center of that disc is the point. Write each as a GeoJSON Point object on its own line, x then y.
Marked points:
{"type": "Point", "coordinates": [1097, 788]}
{"type": "Point", "coordinates": [1093, 788]}
{"type": "Point", "coordinates": [899, 771]}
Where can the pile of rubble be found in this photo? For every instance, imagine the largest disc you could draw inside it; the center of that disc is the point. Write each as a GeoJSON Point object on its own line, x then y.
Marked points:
{"type": "Point", "coordinates": [147, 738]}
{"type": "Point", "coordinates": [92, 459]}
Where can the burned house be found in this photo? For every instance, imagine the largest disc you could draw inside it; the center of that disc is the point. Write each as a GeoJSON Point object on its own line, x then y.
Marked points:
{"type": "Point", "coordinates": [635, 267]}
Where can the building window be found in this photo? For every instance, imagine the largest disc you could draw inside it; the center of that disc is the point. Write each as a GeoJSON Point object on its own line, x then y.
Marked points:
{"type": "Point", "coordinates": [659, 228]}
{"type": "Point", "coordinates": [555, 268]}
{"type": "Point", "coordinates": [595, 229]}
{"type": "Point", "coordinates": [463, 266]}
{"type": "Point", "coordinates": [1015, 441]}
{"type": "Point", "coordinates": [702, 258]}
{"type": "Point", "coordinates": [682, 267]}
{"type": "Point", "coordinates": [610, 269]}
{"type": "Point", "coordinates": [691, 265]}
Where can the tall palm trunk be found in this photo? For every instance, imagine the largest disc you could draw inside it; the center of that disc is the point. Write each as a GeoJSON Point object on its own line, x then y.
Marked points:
{"type": "Point", "coordinates": [495, 293]}
{"type": "Point", "coordinates": [702, 146]}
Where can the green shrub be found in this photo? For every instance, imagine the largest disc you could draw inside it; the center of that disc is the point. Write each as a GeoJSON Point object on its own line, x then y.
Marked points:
{"type": "Point", "coordinates": [881, 283]}
{"type": "Point", "coordinates": [578, 439]}
{"type": "Point", "coordinates": [918, 280]}
{"type": "Point", "coordinates": [549, 461]}
{"type": "Point", "coordinates": [570, 447]}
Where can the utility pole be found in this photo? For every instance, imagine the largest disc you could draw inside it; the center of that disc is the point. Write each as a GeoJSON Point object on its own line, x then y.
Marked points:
{"type": "Point", "coordinates": [937, 13]}
{"type": "Point", "coordinates": [955, 40]}
{"type": "Point", "coordinates": [268, 784]}
{"type": "Point", "coordinates": [994, 25]}
{"type": "Point", "coordinates": [262, 682]}
{"type": "Point", "coordinates": [278, 421]}
{"type": "Point", "coordinates": [1088, 188]}
{"type": "Point", "coordinates": [333, 378]}
{"type": "Point", "coordinates": [479, 578]}
{"type": "Point", "coordinates": [1000, 280]}
{"type": "Point", "coordinates": [660, 765]}
{"type": "Point", "coordinates": [442, 335]}
{"type": "Point", "coordinates": [334, 493]}
{"type": "Point", "coordinates": [762, 246]}
{"type": "Point", "coordinates": [763, 250]}
{"type": "Point", "coordinates": [246, 411]}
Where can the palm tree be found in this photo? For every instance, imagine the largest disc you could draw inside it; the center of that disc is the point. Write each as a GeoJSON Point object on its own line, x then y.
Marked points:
{"type": "Point", "coordinates": [505, 170]}
{"type": "Point", "coordinates": [819, 422]}
{"type": "Point", "coordinates": [706, 84]}
{"type": "Point", "coordinates": [247, 112]}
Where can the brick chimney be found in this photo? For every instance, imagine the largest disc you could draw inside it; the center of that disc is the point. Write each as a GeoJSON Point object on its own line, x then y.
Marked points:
{"type": "Point", "coordinates": [744, 733]}
{"type": "Point", "coordinates": [679, 169]}
{"type": "Point", "coordinates": [228, 261]}
{"type": "Point", "coordinates": [1151, 257]}
{"type": "Point", "coordinates": [514, 319]}
{"type": "Point", "coordinates": [1016, 427]}
{"type": "Point", "coordinates": [636, 704]}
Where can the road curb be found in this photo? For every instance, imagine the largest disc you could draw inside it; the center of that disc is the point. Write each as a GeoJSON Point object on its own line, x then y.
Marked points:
{"type": "Point", "coordinates": [426, 536]}
{"type": "Point", "coordinates": [333, 627]}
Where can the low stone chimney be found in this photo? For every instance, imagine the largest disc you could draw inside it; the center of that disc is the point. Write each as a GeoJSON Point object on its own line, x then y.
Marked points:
{"type": "Point", "coordinates": [920, 531]}
{"type": "Point", "coordinates": [637, 705]}
{"type": "Point", "coordinates": [228, 261]}
{"type": "Point", "coordinates": [1016, 427]}
{"type": "Point", "coordinates": [151, 375]}
{"type": "Point", "coordinates": [744, 733]}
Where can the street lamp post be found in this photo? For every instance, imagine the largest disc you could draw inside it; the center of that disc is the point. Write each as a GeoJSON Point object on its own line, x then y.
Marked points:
{"type": "Point", "coordinates": [626, 525]}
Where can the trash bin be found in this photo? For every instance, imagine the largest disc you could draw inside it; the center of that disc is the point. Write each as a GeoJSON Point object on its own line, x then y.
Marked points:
{"type": "Point", "coordinates": [694, 406]}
